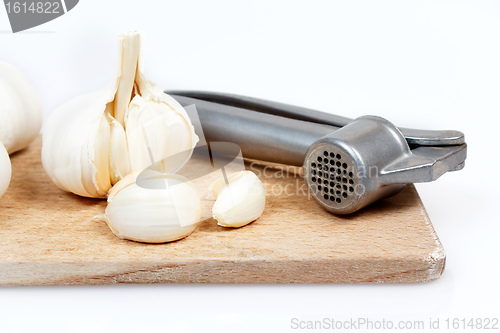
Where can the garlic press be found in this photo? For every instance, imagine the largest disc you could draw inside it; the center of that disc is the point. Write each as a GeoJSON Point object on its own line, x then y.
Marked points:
{"type": "Point", "coordinates": [348, 163]}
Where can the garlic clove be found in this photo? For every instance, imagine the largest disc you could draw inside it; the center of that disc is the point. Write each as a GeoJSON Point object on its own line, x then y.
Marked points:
{"type": "Point", "coordinates": [101, 159]}
{"type": "Point", "coordinates": [146, 136]}
{"type": "Point", "coordinates": [69, 141]}
{"type": "Point", "coordinates": [119, 164]}
{"type": "Point", "coordinates": [153, 215]}
{"type": "Point", "coordinates": [5, 170]}
{"type": "Point", "coordinates": [84, 149]}
{"type": "Point", "coordinates": [240, 200]}
{"type": "Point", "coordinates": [21, 110]}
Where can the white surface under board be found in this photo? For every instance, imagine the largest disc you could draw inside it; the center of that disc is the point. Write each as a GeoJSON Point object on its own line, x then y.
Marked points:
{"type": "Point", "coordinates": [425, 64]}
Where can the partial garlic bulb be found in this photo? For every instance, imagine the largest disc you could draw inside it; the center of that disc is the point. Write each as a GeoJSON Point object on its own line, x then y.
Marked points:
{"type": "Point", "coordinates": [166, 207]}
{"type": "Point", "coordinates": [94, 140]}
{"type": "Point", "coordinates": [21, 110]}
{"type": "Point", "coordinates": [5, 170]}
{"type": "Point", "coordinates": [239, 201]}
{"type": "Point", "coordinates": [21, 117]}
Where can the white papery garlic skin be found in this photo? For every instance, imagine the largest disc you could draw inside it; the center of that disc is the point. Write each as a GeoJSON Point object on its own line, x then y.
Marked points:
{"type": "Point", "coordinates": [152, 214]}
{"type": "Point", "coordinates": [240, 200]}
{"type": "Point", "coordinates": [21, 116]}
{"type": "Point", "coordinates": [94, 140]}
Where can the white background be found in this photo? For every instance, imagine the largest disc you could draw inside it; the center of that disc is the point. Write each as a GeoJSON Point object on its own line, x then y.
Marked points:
{"type": "Point", "coordinates": [424, 64]}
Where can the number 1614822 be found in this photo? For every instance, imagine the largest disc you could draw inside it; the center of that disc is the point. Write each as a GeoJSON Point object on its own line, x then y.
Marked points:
{"type": "Point", "coordinates": [33, 7]}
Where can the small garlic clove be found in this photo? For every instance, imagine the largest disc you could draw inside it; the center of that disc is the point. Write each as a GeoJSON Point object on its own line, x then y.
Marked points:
{"type": "Point", "coordinates": [86, 152]}
{"type": "Point", "coordinates": [153, 214]}
{"type": "Point", "coordinates": [240, 200]}
{"type": "Point", "coordinates": [5, 170]}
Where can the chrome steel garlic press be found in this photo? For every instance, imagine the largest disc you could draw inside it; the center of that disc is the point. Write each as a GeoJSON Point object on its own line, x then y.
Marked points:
{"type": "Point", "coordinates": [347, 163]}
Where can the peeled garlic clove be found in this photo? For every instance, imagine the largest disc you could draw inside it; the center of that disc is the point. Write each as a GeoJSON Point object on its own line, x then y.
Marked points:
{"type": "Point", "coordinates": [153, 214]}
{"type": "Point", "coordinates": [21, 112]}
{"type": "Point", "coordinates": [5, 170]}
{"type": "Point", "coordinates": [94, 140]}
{"type": "Point", "coordinates": [241, 199]}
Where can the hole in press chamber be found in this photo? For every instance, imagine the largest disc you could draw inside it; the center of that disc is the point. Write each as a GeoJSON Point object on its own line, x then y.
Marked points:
{"type": "Point", "coordinates": [326, 196]}
{"type": "Point", "coordinates": [325, 153]}
{"type": "Point", "coordinates": [339, 157]}
{"type": "Point", "coordinates": [339, 171]}
{"type": "Point", "coordinates": [320, 174]}
{"type": "Point", "coordinates": [338, 200]}
{"type": "Point", "coordinates": [332, 198]}
{"type": "Point", "coordinates": [351, 174]}
{"type": "Point", "coordinates": [339, 186]}
{"type": "Point", "coordinates": [344, 180]}
{"type": "Point", "coordinates": [332, 184]}
{"type": "Point", "coordinates": [351, 189]}
{"type": "Point", "coordinates": [313, 164]}
{"type": "Point", "coordinates": [344, 165]}
{"type": "Point", "coordinates": [313, 179]}
{"type": "Point", "coordinates": [332, 191]}
{"type": "Point", "coordinates": [338, 164]}
{"type": "Point", "coordinates": [332, 169]}
{"type": "Point", "coordinates": [326, 161]}
{"type": "Point", "coordinates": [332, 162]}
{"type": "Point", "coordinates": [332, 155]}
{"type": "Point", "coordinates": [344, 195]}
{"type": "Point", "coordinates": [351, 181]}
{"type": "Point", "coordinates": [313, 172]}
{"type": "Point", "coordinates": [344, 187]}
{"type": "Point", "coordinates": [319, 187]}
{"type": "Point", "coordinates": [325, 181]}
{"type": "Point", "coordinates": [320, 159]}
{"type": "Point", "coordinates": [325, 189]}
{"type": "Point", "coordinates": [326, 168]}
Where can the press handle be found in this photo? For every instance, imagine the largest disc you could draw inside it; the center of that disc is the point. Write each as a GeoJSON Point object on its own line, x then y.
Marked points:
{"type": "Point", "coordinates": [413, 136]}
{"type": "Point", "coordinates": [260, 136]}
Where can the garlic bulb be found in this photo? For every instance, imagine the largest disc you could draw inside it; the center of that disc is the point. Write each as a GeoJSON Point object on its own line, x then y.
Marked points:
{"type": "Point", "coordinates": [5, 170]}
{"type": "Point", "coordinates": [164, 208]}
{"type": "Point", "coordinates": [239, 201]}
{"type": "Point", "coordinates": [21, 117]}
{"type": "Point", "coordinates": [21, 110]}
{"type": "Point", "coordinates": [94, 140]}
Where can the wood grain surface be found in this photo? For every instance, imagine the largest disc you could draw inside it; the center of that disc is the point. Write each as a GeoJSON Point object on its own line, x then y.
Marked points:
{"type": "Point", "coordinates": [50, 237]}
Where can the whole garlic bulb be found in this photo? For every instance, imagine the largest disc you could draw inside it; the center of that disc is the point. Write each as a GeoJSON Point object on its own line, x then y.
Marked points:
{"type": "Point", "coordinates": [166, 210]}
{"type": "Point", "coordinates": [94, 140]}
{"type": "Point", "coordinates": [21, 117]}
{"type": "Point", "coordinates": [240, 200]}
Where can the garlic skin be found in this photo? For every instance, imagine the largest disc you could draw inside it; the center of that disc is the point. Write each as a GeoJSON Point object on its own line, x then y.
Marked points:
{"type": "Point", "coordinates": [153, 215]}
{"type": "Point", "coordinates": [5, 170]}
{"type": "Point", "coordinates": [91, 142]}
{"type": "Point", "coordinates": [21, 111]}
{"type": "Point", "coordinates": [240, 202]}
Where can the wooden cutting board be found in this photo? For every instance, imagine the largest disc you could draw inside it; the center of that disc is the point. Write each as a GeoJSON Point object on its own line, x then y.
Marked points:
{"type": "Point", "coordinates": [52, 237]}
